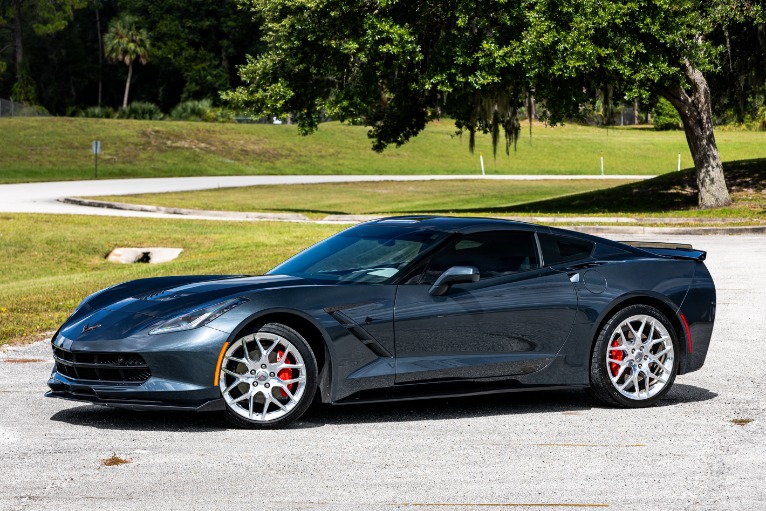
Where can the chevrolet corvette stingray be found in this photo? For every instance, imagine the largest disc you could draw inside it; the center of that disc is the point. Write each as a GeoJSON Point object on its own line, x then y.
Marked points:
{"type": "Point", "coordinates": [393, 309]}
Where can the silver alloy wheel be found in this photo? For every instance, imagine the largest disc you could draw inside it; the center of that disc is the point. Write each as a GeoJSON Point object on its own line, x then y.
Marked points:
{"type": "Point", "coordinates": [640, 357]}
{"type": "Point", "coordinates": [263, 377]}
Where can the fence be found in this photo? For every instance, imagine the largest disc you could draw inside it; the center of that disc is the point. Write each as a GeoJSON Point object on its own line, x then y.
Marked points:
{"type": "Point", "coordinates": [10, 108]}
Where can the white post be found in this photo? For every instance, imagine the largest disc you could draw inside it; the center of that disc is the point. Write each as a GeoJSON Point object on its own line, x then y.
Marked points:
{"type": "Point", "coordinates": [679, 163]}
{"type": "Point", "coordinates": [602, 164]}
{"type": "Point", "coordinates": [481, 160]}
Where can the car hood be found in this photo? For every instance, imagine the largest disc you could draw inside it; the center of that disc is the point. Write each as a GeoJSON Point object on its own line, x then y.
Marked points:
{"type": "Point", "coordinates": [169, 301]}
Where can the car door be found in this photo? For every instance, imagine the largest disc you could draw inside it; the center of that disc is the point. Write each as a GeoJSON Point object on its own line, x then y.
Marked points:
{"type": "Point", "coordinates": [512, 321]}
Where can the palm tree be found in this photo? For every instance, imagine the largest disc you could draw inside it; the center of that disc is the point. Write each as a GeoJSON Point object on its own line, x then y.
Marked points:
{"type": "Point", "coordinates": [123, 42]}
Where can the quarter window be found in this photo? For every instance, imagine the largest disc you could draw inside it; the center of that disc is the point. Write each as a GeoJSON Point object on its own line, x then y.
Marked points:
{"type": "Point", "coordinates": [494, 253]}
{"type": "Point", "coordinates": [562, 249]}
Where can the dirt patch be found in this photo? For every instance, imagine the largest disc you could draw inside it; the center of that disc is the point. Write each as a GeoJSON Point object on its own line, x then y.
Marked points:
{"type": "Point", "coordinates": [741, 422]}
{"type": "Point", "coordinates": [114, 460]}
{"type": "Point", "coordinates": [24, 360]}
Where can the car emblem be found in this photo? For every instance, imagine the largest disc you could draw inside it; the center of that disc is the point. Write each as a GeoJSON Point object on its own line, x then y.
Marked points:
{"type": "Point", "coordinates": [88, 328]}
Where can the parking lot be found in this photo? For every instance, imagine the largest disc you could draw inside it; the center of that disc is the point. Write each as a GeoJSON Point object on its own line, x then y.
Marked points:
{"type": "Point", "coordinates": [547, 450]}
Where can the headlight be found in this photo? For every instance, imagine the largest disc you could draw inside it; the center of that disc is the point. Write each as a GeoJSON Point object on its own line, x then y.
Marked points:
{"type": "Point", "coordinates": [197, 317]}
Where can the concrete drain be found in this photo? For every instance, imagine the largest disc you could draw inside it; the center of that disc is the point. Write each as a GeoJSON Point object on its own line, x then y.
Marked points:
{"type": "Point", "coordinates": [153, 255]}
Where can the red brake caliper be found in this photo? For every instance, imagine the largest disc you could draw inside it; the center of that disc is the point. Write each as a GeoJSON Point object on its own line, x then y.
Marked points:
{"type": "Point", "coordinates": [285, 374]}
{"type": "Point", "coordinates": [615, 355]}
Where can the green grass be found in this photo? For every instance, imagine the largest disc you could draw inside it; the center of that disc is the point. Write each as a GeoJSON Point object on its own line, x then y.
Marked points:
{"type": "Point", "coordinates": [668, 195]}
{"type": "Point", "coordinates": [51, 262]}
{"type": "Point", "coordinates": [44, 149]}
{"type": "Point", "coordinates": [319, 200]}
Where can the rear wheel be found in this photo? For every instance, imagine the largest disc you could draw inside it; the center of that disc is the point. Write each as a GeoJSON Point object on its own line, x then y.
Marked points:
{"type": "Point", "coordinates": [634, 360]}
{"type": "Point", "coordinates": [268, 378]}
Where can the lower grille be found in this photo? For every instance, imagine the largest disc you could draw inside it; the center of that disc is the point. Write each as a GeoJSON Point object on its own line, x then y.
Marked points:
{"type": "Point", "coordinates": [101, 367]}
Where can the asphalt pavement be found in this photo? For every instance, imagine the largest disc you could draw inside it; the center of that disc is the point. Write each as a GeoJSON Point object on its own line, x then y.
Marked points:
{"type": "Point", "coordinates": [551, 450]}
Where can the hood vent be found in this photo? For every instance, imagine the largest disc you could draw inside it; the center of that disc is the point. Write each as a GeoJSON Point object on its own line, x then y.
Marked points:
{"type": "Point", "coordinates": [165, 295]}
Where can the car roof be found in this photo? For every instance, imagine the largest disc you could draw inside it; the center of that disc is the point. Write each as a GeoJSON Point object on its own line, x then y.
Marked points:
{"type": "Point", "coordinates": [453, 224]}
{"type": "Point", "coordinates": [469, 225]}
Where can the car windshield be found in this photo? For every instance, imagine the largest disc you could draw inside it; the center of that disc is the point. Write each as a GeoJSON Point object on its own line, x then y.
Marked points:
{"type": "Point", "coordinates": [364, 254]}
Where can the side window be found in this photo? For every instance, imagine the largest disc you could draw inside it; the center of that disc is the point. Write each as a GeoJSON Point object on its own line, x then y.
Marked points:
{"type": "Point", "coordinates": [495, 253]}
{"type": "Point", "coordinates": [562, 249]}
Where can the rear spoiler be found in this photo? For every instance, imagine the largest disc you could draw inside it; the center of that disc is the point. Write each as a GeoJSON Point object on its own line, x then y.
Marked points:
{"type": "Point", "coordinates": [675, 250]}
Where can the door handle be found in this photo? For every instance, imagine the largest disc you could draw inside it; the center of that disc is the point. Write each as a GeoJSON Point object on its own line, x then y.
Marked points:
{"type": "Point", "coordinates": [574, 278]}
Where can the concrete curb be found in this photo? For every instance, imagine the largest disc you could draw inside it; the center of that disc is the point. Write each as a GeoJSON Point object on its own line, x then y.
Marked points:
{"type": "Point", "coordinates": [233, 215]}
{"type": "Point", "coordinates": [599, 230]}
{"type": "Point", "coordinates": [572, 223]}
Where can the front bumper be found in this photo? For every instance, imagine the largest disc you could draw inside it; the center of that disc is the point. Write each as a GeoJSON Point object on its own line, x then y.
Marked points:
{"type": "Point", "coordinates": [183, 367]}
{"type": "Point", "coordinates": [76, 393]}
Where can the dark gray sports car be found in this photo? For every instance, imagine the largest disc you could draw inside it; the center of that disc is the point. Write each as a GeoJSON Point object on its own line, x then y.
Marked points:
{"type": "Point", "coordinates": [398, 308]}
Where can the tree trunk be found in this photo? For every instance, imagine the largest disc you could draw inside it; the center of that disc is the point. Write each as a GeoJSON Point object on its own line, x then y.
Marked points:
{"type": "Point", "coordinates": [127, 86]}
{"type": "Point", "coordinates": [695, 110]}
{"type": "Point", "coordinates": [100, 56]}
{"type": "Point", "coordinates": [635, 111]}
{"type": "Point", "coordinates": [18, 39]}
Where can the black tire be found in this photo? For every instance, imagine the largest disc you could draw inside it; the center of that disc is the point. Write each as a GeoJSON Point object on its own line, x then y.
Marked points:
{"type": "Point", "coordinates": [307, 396]}
{"type": "Point", "coordinates": [602, 387]}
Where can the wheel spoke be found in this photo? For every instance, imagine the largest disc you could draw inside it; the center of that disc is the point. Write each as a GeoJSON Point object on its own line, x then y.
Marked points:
{"type": "Point", "coordinates": [231, 387]}
{"type": "Point", "coordinates": [290, 395]}
{"type": "Point", "coordinates": [266, 401]}
{"type": "Point", "coordinates": [619, 374]}
{"type": "Point", "coordinates": [246, 353]}
{"type": "Point", "coordinates": [294, 380]}
{"type": "Point", "coordinates": [663, 338]}
{"type": "Point", "coordinates": [250, 410]}
{"type": "Point", "coordinates": [235, 359]}
{"type": "Point", "coordinates": [290, 366]}
{"type": "Point", "coordinates": [660, 376]}
{"type": "Point", "coordinates": [231, 373]}
{"type": "Point", "coordinates": [241, 398]}
{"type": "Point", "coordinates": [657, 361]}
{"type": "Point", "coordinates": [640, 332]}
{"type": "Point", "coordinates": [271, 348]}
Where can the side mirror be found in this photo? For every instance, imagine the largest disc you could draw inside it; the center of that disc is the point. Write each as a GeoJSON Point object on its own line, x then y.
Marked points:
{"type": "Point", "coordinates": [455, 275]}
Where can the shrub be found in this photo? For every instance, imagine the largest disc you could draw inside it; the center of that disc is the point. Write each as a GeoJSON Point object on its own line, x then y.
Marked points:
{"type": "Point", "coordinates": [192, 110]}
{"type": "Point", "coordinates": [141, 110]}
{"type": "Point", "coordinates": [665, 116]}
{"type": "Point", "coordinates": [97, 112]}
{"type": "Point", "coordinates": [760, 118]}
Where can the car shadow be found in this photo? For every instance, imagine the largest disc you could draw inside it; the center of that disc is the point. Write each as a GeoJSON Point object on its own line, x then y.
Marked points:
{"type": "Point", "coordinates": [104, 417]}
{"type": "Point", "coordinates": [567, 402]}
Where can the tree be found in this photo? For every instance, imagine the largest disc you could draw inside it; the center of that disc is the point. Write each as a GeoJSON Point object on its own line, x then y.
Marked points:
{"type": "Point", "coordinates": [396, 64]}
{"type": "Point", "coordinates": [43, 17]}
{"type": "Point", "coordinates": [196, 46]}
{"type": "Point", "coordinates": [125, 43]}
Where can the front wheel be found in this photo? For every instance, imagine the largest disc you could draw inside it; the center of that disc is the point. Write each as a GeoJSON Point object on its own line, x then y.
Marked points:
{"type": "Point", "coordinates": [634, 360]}
{"type": "Point", "coordinates": [268, 378]}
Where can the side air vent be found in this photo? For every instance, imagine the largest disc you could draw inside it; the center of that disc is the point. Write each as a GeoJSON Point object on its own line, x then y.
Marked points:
{"type": "Point", "coordinates": [360, 333]}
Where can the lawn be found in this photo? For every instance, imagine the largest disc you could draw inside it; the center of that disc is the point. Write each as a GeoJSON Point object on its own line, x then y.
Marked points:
{"type": "Point", "coordinates": [50, 148]}
{"type": "Point", "coordinates": [381, 197]}
{"type": "Point", "coordinates": [50, 263]}
{"type": "Point", "coordinates": [669, 195]}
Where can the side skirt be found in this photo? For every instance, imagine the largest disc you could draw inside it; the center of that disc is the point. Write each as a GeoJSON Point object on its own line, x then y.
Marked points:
{"type": "Point", "coordinates": [453, 389]}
